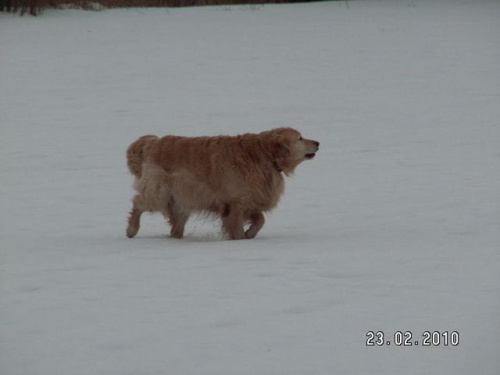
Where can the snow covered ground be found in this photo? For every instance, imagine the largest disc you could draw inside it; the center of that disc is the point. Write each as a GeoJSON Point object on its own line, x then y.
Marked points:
{"type": "Point", "coordinates": [395, 226]}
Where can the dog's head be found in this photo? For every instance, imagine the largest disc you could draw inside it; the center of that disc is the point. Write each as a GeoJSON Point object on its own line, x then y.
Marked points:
{"type": "Point", "coordinates": [288, 148]}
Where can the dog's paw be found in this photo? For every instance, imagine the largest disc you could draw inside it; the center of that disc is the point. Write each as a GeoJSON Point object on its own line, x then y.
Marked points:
{"type": "Point", "coordinates": [250, 233]}
{"type": "Point", "coordinates": [132, 231]}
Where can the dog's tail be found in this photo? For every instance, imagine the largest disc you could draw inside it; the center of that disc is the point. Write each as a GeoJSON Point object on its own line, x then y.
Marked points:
{"type": "Point", "coordinates": [137, 152]}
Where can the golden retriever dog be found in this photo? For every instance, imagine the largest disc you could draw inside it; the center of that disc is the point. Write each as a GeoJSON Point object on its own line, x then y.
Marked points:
{"type": "Point", "coordinates": [236, 178]}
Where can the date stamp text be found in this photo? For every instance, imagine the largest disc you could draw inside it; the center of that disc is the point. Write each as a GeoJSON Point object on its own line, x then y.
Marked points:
{"type": "Point", "coordinates": [407, 338]}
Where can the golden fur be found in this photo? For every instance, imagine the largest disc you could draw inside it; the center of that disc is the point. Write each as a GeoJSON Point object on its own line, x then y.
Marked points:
{"type": "Point", "coordinates": [235, 178]}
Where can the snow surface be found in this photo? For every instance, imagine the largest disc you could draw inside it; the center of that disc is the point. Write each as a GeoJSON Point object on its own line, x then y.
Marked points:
{"type": "Point", "coordinates": [394, 225]}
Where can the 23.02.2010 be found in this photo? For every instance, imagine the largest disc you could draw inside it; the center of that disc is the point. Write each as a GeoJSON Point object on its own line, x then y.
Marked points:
{"type": "Point", "coordinates": [407, 338]}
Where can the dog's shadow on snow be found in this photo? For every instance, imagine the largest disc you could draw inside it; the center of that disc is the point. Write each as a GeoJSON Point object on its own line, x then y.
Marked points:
{"type": "Point", "coordinates": [276, 238]}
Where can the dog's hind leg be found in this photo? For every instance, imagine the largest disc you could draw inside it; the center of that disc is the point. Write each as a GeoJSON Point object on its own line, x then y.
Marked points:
{"type": "Point", "coordinates": [134, 219]}
{"type": "Point", "coordinates": [256, 223]}
{"type": "Point", "coordinates": [177, 218]}
{"type": "Point", "coordinates": [178, 222]}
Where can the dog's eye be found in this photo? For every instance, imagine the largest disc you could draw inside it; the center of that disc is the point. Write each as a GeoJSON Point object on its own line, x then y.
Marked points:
{"type": "Point", "coordinates": [300, 138]}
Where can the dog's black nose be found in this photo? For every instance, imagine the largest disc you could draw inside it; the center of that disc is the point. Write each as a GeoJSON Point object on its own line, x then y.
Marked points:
{"type": "Point", "coordinates": [316, 143]}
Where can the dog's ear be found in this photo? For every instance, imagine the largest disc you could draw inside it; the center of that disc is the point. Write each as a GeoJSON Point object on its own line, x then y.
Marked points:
{"type": "Point", "coordinates": [280, 151]}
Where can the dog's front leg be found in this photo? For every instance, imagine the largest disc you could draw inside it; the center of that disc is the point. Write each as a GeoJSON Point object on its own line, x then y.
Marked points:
{"type": "Point", "coordinates": [232, 222]}
{"type": "Point", "coordinates": [256, 223]}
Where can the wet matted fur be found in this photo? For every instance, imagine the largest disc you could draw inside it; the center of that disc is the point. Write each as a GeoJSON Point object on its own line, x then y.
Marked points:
{"type": "Point", "coordinates": [236, 178]}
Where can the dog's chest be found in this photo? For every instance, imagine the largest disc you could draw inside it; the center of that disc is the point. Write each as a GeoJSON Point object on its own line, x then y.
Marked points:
{"type": "Point", "coordinates": [265, 194]}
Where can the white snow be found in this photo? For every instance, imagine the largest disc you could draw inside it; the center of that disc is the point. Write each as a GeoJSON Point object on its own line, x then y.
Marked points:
{"type": "Point", "coordinates": [394, 226]}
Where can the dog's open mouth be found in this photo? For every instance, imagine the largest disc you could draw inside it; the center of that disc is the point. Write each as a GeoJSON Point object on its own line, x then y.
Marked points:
{"type": "Point", "coordinates": [311, 155]}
